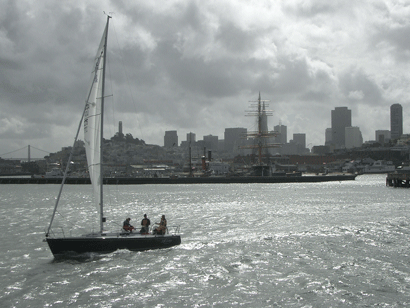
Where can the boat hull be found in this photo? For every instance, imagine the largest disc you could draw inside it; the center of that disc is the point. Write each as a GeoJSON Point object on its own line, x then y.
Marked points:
{"type": "Point", "coordinates": [103, 244]}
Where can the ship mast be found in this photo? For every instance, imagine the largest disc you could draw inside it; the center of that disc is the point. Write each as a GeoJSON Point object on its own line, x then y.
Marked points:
{"type": "Point", "coordinates": [261, 135]}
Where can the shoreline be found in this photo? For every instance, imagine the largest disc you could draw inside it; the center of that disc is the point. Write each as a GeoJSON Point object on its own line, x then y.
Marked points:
{"type": "Point", "coordinates": [187, 180]}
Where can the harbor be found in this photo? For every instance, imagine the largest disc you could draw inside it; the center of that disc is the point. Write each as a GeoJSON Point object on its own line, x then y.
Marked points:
{"type": "Point", "coordinates": [278, 241]}
{"type": "Point", "coordinates": [185, 180]}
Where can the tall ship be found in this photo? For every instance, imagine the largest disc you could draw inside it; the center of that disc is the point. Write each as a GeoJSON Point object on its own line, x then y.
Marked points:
{"type": "Point", "coordinates": [261, 137]}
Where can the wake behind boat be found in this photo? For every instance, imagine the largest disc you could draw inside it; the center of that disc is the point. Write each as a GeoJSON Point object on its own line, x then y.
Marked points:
{"type": "Point", "coordinates": [101, 241]}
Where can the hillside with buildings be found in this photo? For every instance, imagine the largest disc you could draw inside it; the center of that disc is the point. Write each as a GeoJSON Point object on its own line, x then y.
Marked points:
{"type": "Point", "coordinates": [125, 155]}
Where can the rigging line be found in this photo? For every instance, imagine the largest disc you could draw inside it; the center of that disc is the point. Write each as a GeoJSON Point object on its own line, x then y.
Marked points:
{"type": "Point", "coordinates": [128, 84]}
{"type": "Point", "coordinates": [66, 169]}
{"type": "Point", "coordinates": [67, 220]}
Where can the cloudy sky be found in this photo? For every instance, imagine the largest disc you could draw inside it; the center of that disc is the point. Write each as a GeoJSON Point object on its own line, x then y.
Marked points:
{"type": "Point", "coordinates": [193, 66]}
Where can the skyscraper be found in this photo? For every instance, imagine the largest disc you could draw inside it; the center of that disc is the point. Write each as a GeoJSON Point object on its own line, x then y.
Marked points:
{"type": "Point", "coordinates": [170, 139]}
{"type": "Point", "coordinates": [191, 138]}
{"type": "Point", "coordinates": [300, 139]}
{"type": "Point", "coordinates": [396, 121]}
{"type": "Point", "coordinates": [211, 142]}
{"type": "Point", "coordinates": [282, 137]}
{"type": "Point", "coordinates": [354, 137]}
{"type": "Point", "coordinates": [234, 137]}
{"type": "Point", "coordinates": [341, 118]}
{"type": "Point", "coordinates": [328, 136]}
{"type": "Point", "coordinates": [264, 120]}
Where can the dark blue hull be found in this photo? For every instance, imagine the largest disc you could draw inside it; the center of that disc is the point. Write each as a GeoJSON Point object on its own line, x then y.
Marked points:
{"type": "Point", "coordinates": [60, 246]}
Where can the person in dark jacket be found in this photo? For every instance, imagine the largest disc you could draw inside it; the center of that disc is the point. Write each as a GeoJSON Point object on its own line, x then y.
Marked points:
{"type": "Point", "coordinates": [145, 222]}
{"type": "Point", "coordinates": [127, 226]}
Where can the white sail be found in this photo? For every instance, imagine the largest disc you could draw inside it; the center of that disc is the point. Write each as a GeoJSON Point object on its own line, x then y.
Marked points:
{"type": "Point", "coordinates": [92, 123]}
{"type": "Point", "coordinates": [93, 118]}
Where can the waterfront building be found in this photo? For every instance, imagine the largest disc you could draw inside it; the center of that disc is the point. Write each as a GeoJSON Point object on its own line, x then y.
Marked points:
{"type": "Point", "coordinates": [396, 121]}
{"type": "Point", "coordinates": [353, 137]}
{"type": "Point", "coordinates": [170, 139]}
{"type": "Point", "coordinates": [320, 149]}
{"type": "Point", "coordinates": [218, 167]}
{"type": "Point", "coordinates": [341, 118]}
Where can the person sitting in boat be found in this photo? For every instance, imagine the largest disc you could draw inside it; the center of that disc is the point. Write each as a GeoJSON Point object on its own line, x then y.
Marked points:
{"type": "Point", "coordinates": [127, 226]}
{"type": "Point", "coordinates": [145, 222]}
{"type": "Point", "coordinates": [162, 226]}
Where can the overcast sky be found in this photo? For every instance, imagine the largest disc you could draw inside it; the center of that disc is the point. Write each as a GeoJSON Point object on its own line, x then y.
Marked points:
{"type": "Point", "coordinates": [193, 66]}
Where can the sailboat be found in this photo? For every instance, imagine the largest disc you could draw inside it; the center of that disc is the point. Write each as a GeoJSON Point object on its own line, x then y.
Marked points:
{"type": "Point", "coordinates": [92, 122]}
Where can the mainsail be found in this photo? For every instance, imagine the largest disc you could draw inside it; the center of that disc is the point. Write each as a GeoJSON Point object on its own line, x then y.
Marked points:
{"type": "Point", "coordinates": [93, 117]}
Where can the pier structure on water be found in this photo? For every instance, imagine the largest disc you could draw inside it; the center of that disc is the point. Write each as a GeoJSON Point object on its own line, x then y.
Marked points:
{"type": "Point", "coordinates": [398, 180]}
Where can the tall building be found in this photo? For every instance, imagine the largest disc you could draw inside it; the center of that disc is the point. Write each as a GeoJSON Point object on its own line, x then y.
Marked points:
{"type": "Point", "coordinates": [282, 136]}
{"type": "Point", "coordinates": [383, 136]}
{"type": "Point", "coordinates": [264, 119]}
{"type": "Point", "coordinates": [190, 141]}
{"type": "Point", "coordinates": [120, 128]}
{"type": "Point", "coordinates": [396, 121]}
{"type": "Point", "coordinates": [341, 118]}
{"type": "Point", "coordinates": [170, 139]}
{"type": "Point", "coordinates": [353, 137]}
{"type": "Point", "coordinates": [328, 136]}
{"type": "Point", "coordinates": [211, 142]}
{"type": "Point", "coordinates": [234, 137]}
{"type": "Point", "coordinates": [191, 138]}
{"type": "Point", "coordinates": [300, 139]}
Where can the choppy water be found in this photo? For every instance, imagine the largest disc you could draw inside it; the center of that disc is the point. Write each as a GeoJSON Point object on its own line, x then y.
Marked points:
{"type": "Point", "coordinates": [332, 244]}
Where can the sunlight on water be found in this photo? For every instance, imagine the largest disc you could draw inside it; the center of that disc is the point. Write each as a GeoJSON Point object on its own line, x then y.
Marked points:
{"type": "Point", "coordinates": [269, 245]}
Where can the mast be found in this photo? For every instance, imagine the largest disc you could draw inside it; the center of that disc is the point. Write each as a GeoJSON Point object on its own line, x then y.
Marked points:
{"type": "Point", "coordinates": [190, 158]}
{"type": "Point", "coordinates": [262, 134]}
{"type": "Point", "coordinates": [102, 219]}
{"type": "Point", "coordinates": [260, 116]}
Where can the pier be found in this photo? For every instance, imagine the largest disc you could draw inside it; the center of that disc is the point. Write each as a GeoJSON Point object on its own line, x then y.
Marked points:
{"type": "Point", "coordinates": [398, 180]}
{"type": "Point", "coordinates": [185, 180]}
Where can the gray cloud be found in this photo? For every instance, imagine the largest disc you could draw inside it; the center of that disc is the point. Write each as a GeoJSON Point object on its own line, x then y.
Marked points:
{"type": "Point", "coordinates": [193, 66]}
{"type": "Point", "coordinates": [357, 86]}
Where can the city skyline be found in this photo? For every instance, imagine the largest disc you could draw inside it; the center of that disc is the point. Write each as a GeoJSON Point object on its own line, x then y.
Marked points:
{"type": "Point", "coordinates": [194, 66]}
{"type": "Point", "coordinates": [171, 137]}
{"type": "Point", "coordinates": [341, 119]}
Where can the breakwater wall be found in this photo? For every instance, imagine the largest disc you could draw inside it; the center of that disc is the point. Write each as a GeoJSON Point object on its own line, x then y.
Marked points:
{"type": "Point", "coordinates": [188, 180]}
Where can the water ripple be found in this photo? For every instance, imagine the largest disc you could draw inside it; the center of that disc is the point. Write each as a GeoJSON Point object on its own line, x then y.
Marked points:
{"type": "Point", "coordinates": [286, 245]}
